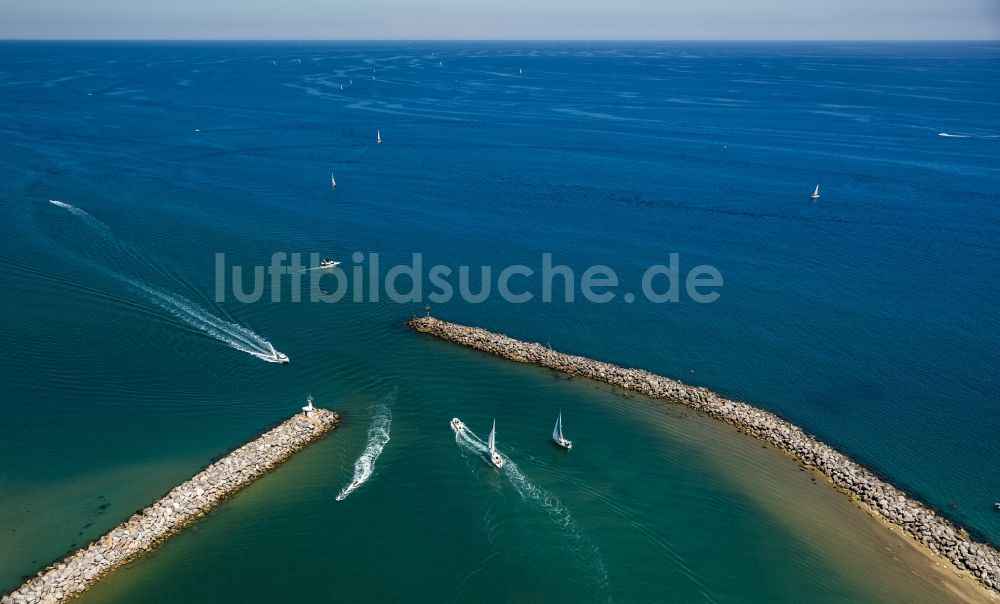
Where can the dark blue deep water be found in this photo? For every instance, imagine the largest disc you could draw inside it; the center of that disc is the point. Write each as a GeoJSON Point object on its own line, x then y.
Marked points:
{"type": "Point", "coordinates": [867, 317]}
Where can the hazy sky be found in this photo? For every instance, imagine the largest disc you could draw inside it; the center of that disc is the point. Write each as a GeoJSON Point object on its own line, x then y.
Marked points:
{"type": "Point", "coordinates": [501, 19]}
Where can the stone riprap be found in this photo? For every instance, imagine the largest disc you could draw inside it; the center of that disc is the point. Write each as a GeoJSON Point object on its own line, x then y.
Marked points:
{"type": "Point", "coordinates": [181, 506]}
{"type": "Point", "coordinates": [879, 497]}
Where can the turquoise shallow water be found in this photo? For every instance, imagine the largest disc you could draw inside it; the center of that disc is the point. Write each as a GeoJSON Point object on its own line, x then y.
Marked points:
{"type": "Point", "coordinates": [867, 318]}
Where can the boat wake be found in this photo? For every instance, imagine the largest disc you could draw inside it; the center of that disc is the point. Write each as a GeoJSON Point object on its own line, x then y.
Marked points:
{"type": "Point", "coordinates": [528, 491]}
{"type": "Point", "coordinates": [236, 336]}
{"type": "Point", "coordinates": [378, 437]}
{"type": "Point", "coordinates": [550, 504]}
{"type": "Point", "coordinates": [233, 334]}
{"type": "Point", "coordinates": [962, 135]}
{"type": "Point", "coordinates": [72, 209]}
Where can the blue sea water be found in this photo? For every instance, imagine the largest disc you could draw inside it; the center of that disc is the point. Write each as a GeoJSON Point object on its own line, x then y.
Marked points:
{"type": "Point", "coordinates": [867, 317]}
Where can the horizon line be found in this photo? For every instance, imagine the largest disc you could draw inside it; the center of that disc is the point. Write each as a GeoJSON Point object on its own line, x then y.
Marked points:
{"type": "Point", "coordinates": [633, 40]}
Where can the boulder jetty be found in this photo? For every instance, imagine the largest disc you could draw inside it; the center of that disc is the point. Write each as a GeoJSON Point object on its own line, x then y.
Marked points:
{"type": "Point", "coordinates": [184, 504]}
{"type": "Point", "coordinates": [880, 498]}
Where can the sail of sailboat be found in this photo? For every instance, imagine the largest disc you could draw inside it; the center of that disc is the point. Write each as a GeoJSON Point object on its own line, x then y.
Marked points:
{"type": "Point", "coordinates": [495, 458]}
{"type": "Point", "coordinates": [557, 434]}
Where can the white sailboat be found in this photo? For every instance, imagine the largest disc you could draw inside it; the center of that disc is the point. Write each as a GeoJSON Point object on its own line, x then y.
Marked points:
{"type": "Point", "coordinates": [495, 458]}
{"type": "Point", "coordinates": [378, 137]}
{"type": "Point", "coordinates": [815, 194]}
{"type": "Point", "coordinates": [557, 435]}
{"type": "Point", "coordinates": [333, 181]}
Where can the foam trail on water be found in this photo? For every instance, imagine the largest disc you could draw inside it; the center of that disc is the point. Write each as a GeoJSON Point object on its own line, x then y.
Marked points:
{"type": "Point", "coordinates": [72, 209]}
{"type": "Point", "coordinates": [467, 440]}
{"type": "Point", "coordinates": [378, 437]}
{"type": "Point", "coordinates": [528, 491]}
{"type": "Point", "coordinates": [189, 313]}
{"type": "Point", "coordinates": [233, 334]}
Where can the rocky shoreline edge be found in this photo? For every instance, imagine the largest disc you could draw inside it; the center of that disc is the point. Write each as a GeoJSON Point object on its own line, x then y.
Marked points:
{"type": "Point", "coordinates": [878, 497]}
{"type": "Point", "coordinates": [181, 506]}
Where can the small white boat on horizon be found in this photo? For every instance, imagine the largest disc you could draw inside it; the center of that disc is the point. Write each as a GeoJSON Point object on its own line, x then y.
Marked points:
{"type": "Point", "coordinates": [333, 181]}
{"type": "Point", "coordinates": [815, 194]}
{"type": "Point", "coordinates": [557, 435]}
{"type": "Point", "coordinates": [494, 457]}
{"type": "Point", "coordinates": [378, 137]}
{"type": "Point", "coordinates": [328, 263]}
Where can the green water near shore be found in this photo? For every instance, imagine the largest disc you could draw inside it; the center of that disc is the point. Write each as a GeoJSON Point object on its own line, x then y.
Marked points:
{"type": "Point", "coordinates": [837, 315]}
{"type": "Point", "coordinates": [643, 521]}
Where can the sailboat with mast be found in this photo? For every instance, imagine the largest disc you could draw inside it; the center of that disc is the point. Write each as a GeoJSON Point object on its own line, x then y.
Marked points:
{"type": "Point", "coordinates": [333, 181]}
{"type": "Point", "coordinates": [815, 194]}
{"type": "Point", "coordinates": [495, 457]}
{"type": "Point", "coordinates": [557, 435]}
{"type": "Point", "coordinates": [378, 137]}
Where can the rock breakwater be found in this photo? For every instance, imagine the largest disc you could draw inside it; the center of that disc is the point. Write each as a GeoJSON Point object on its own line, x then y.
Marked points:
{"type": "Point", "coordinates": [880, 498]}
{"type": "Point", "coordinates": [184, 504]}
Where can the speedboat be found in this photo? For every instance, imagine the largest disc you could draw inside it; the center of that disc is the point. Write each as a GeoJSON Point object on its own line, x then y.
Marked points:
{"type": "Point", "coordinates": [494, 457]}
{"type": "Point", "coordinates": [327, 263]}
{"type": "Point", "coordinates": [557, 435]}
{"type": "Point", "coordinates": [457, 425]}
{"type": "Point", "coordinates": [280, 357]}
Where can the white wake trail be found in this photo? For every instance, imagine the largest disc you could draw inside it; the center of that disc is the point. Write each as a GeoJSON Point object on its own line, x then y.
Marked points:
{"type": "Point", "coordinates": [378, 437]}
{"type": "Point", "coordinates": [189, 313]}
{"type": "Point", "coordinates": [72, 209]}
{"type": "Point", "coordinates": [469, 441]}
{"type": "Point", "coordinates": [233, 334]}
